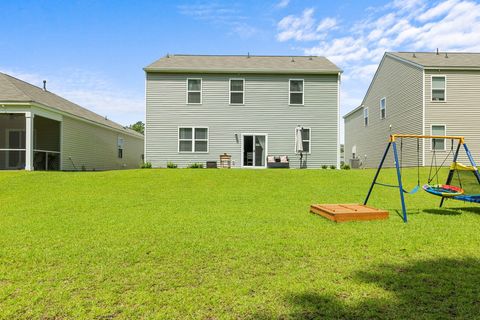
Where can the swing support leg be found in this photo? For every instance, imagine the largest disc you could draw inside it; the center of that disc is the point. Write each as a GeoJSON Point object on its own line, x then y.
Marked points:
{"type": "Point", "coordinates": [452, 171]}
{"type": "Point", "coordinates": [377, 173]}
{"type": "Point", "coordinates": [472, 162]}
{"type": "Point", "coordinates": [399, 177]}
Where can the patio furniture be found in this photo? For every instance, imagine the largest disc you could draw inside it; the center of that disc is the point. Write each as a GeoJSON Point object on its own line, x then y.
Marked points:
{"type": "Point", "coordinates": [278, 162]}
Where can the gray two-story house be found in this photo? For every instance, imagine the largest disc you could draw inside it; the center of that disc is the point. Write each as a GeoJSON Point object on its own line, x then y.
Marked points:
{"type": "Point", "coordinates": [426, 93]}
{"type": "Point", "coordinates": [248, 107]}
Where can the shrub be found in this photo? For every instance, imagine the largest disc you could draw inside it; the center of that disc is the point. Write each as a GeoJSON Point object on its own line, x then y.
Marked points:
{"type": "Point", "coordinates": [171, 165]}
{"type": "Point", "coordinates": [324, 166]}
{"type": "Point", "coordinates": [196, 165]}
{"type": "Point", "coordinates": [333, 167]}
{"type": "Point", "coordinates": [346, 167]}
{"type": "Point", "coordinates": [146, 165]}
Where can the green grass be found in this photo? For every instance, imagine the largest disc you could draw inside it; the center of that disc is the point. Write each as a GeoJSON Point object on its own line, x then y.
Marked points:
{"type": "Point", "coordinates": [229, 244]}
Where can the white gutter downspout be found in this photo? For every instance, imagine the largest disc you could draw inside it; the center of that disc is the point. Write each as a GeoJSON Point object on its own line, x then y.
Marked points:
{"type": "Point", "coordinates": [338, 120]}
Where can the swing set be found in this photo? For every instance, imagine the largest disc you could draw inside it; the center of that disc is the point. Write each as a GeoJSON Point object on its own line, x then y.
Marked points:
{"type": "Point", "coordinates": [463, 182]}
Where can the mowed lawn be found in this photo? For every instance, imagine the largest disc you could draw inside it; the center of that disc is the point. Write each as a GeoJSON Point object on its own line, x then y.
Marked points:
{"type": "Point", "coordinates": [229, 244]}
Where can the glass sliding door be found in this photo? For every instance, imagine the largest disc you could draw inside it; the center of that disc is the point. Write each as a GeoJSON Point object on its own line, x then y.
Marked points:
{"type": "Point", "coordinates": [254, 150]}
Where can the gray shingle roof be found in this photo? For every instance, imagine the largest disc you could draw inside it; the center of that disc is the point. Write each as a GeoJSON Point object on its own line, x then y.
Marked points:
{"type": "Point", "coordinates": [243, 64]}
{"type": "Point", "coordinates": [16, 90]}
{"type": "Point", "coordinates": [459, 60]}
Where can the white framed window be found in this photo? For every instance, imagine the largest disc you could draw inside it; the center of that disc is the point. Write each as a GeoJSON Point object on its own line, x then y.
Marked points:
{"type": "Point", "coordinates": [120, 146]}
{"type": "Point", "coordinates": [439, 88]}
{"type": "Point", "coordinates": [194, 91]}
{"type": "Point", "coordinates": [383, 108]}
{"type": "Point", "coordinates": [306, 139]}
{"type": "Point", "coordinates": [438, 130]}
{"type": "Point", "coordinates": [237, 91]}
{"type": "Point", "coordinates": [365, 116]}
{"type": "Point", "coordinates": [295, 91]}
{"type": "Point", "coordinates": [193, 139]}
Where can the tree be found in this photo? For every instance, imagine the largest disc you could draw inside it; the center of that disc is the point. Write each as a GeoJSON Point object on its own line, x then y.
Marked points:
{"type": "Point", "coordinates": [139, 126]}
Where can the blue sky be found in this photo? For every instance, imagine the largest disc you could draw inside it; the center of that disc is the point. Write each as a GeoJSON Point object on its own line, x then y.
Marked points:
{"type": "Point", "coordinates": [93, 52]}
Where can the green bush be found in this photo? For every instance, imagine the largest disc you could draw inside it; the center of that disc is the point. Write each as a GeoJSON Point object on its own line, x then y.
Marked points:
{"type": "Point", "coordinates": [171, 165]}
{"type": "Point", "coordinates": [196, 165]}
{"type": "Point", "coordinates": [346, 167]}
{"type": "Point", "coordinates": [333, 167]}
{"type": "Point", "coordinates": [146, 165]}
{"type": "Point", "coordinates": [324, 166]}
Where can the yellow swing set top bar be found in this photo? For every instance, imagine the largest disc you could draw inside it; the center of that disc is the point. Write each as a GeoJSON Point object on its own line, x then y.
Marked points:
{"type": "Point", "coordinates": [394, 137]}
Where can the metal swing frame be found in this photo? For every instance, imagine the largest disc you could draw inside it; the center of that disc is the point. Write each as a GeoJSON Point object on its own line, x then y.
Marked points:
{"type": "Point", "coordinates": [393, 144]}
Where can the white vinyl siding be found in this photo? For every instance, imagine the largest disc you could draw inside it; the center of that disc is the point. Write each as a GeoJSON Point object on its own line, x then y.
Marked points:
{"type": "Point", "coordinates": [439, 88]}
{"type": "Point", "coordinates": [383, 108]}
{"type": "Point", "coordinates": [237, 91]}
{"type": "Point", "coordinates": [296, 92]}
{"type": "Point", "coordinates": [438, 130]}
{"type": "Point", "coordinates": [194, 91]}
{"type": "Point", "coordinates": [306, 139]}
{"type": "Point", "coordinates": [193, 139]}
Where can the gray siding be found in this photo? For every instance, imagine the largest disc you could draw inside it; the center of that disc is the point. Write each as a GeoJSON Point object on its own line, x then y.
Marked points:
{"type": "Point", "coordinates": [266, 111]}
{"type": "Point", "coordinates": [460, 113]}
{"type": "Point", "coordinates": [95, 148]}
{"type": "Point", "coordinates": [401, 84]}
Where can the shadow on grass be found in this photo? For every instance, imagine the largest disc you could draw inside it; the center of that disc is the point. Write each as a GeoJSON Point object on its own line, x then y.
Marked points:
{"type": "Point", "coordinates": [453, 211]}
{"type": "Point", "coordinates": [434, 289]}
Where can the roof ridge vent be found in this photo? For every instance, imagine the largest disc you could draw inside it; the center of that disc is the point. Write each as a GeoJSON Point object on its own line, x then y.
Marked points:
{"type": "Point", "coordinates": [44, 85]}
{"type": "Point", "coordinates": [414, 55]}
{"type": "Point", "coordinates": [446, 55]}
{"type": "Point", "coordinates": [310, 58]}
{"type": "Point", "coordinates": [293, 60]}
{"type": "Point", "coordinates": [437, 52]}
{"type": "Point", "coordinates": [168, 55]}
{"type": "Point", "coordinates": [248, 55]}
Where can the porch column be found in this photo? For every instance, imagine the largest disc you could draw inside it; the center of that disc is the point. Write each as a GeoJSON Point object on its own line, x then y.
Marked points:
{"type": "Point", "coordinates": [29, 140]}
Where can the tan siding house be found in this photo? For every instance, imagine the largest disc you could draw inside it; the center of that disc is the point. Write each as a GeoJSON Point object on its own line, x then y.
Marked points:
{"type": "Point", "coordinates": [246, 106]}
{"type": "Point", "coordinates": [404, 82]}
{"type": "Point", "coordinates": [42, 131]}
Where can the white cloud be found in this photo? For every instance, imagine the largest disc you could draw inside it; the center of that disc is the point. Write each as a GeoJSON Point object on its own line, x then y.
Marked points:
{"type": "Point", "coordinates": [304, 27]}
{"type": "Point", "coordinates": [90, 90]}
{"type": "Point", "coordinates": [283, 3]}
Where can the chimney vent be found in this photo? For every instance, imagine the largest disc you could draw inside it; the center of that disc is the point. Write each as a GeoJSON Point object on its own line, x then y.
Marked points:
{"type": "Point", "coordinates": [446, 55]}
{"type": "Point", "coordinates": [44, 85]}
{"type": "Point", "coordinates": [437, 51]}
{"type": "Point", "coordinates": [414, 56]}
{"type": "Point", "coordinates": [248, 54]}
{"type": "Point", "coordinates": [293, 60]}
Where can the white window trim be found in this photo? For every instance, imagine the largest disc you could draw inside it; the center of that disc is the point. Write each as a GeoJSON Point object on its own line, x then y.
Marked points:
{"type": "Point", "coordinates": [431, 87]}
{"type": "Point", "coordinates": [201, 90]}
{"type": "Point", "coordinates": [309, 141]}
{"type": "Point", "coordinates": [385, 108]}
{"type": "Point", "coordinates": [431, 140]}
{"type": "Point", "coordinates": [303, 92]}
{"type": "Point", "coordinates": [366, 117]}
{"type": "Point", "coordinates": [193, 139]}
{"type": "Point", "coordinates": [230, 91]}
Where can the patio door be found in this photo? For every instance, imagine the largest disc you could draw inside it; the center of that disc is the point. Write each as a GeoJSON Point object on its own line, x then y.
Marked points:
{"type": "Point", "coordinates": [15, 142]}
{"type": "Point", "coordinates": [254, 148]}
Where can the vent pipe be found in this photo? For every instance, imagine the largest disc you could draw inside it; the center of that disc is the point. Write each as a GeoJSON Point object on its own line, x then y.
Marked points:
{"type": "Point", "coordinates": [44, 85]}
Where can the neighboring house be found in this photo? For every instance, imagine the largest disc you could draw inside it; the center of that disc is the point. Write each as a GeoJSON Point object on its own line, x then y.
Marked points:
{"type": "Point", "coordinates": [42, 131]}
{"type": "Point", "coordinates": [422, 94]}
{"type": "Point", "coordinates": [249, 107]}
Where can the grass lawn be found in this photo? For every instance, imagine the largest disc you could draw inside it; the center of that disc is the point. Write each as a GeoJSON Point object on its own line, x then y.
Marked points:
{"type": "Point", "coordinates": [229, 244]}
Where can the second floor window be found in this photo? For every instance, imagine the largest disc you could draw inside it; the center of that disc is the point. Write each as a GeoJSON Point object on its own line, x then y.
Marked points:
{"type": "Point", "coordinates": [237, 91]}
{"type": "Point", "coordinates": [365, 117]}
{"type": "Point", "coordinates": [296, 92]}
{"type": "Point", "coordinates": [438, 88]}
{"type": "Point", "coordinates": [383, 108]}
{"type": "Point", "coordinates": [194, 91]}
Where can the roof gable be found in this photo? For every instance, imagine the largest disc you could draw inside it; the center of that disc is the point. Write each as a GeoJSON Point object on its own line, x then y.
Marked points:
{"type": "Point", "coordinates": [454, 60]}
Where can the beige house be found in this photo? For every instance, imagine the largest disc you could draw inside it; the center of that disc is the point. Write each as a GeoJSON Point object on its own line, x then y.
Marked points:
{"type": "Point", "coordinates": [42, 131]}
{"type": "Point", "coordinates": [417, 93]}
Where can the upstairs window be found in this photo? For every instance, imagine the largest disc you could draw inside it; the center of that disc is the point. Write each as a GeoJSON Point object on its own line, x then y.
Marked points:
{"type": "Point", "coordinates": [120, 143]}
{"type": "Point", "coordinates": [237, 91]}
{"type": "Point", "coordinates": [306, 138]}
{"type": "Point", "coordinates": [194, 91]}
{"type": "Point", "coordinates": [438, 144]}
{"type": "Point", "coordinates": [296, 92]}
{"type": "Point", "coordinates": [383, 108]}
{"type": "Point", "coordinates": [192, 139]}
{"type": "Point", "coordinates": [365, 117]}
{"type": "Point", "coordinates": [438, 88]}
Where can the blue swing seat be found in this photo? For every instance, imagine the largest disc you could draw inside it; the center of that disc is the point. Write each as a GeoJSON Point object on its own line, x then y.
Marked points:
{"type": "Point", "coordinates": [475, 198]}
